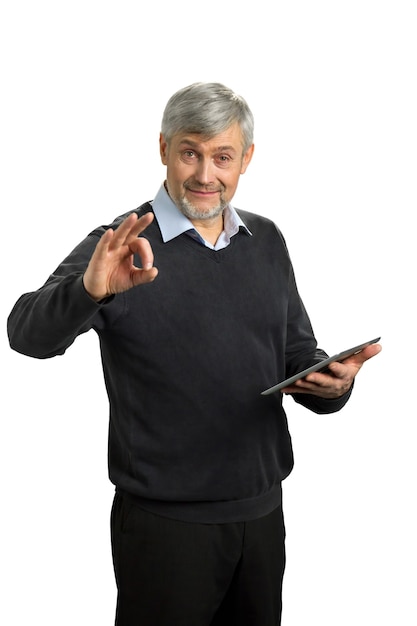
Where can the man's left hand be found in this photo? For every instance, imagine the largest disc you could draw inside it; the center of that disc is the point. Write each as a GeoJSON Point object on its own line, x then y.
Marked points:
{"type": "Point", "coordinates": [338, 378]}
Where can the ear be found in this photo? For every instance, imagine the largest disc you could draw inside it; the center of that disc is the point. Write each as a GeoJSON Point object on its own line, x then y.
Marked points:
{"type": "Point", "coordinates": [247, 157]}
{"type": "Point", "coordinates": [163, 149]}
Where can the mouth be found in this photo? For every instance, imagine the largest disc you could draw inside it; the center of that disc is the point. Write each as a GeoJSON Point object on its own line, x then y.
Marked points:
{"type": "Point", "coordinates": [203, 192]}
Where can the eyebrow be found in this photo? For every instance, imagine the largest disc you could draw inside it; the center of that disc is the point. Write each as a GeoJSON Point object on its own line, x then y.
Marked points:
{"type": "Point", "coordinates": [195, 144]}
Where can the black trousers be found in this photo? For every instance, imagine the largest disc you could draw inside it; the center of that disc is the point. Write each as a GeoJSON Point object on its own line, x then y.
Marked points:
{"type": "Point", "coordinates": [172, 573]}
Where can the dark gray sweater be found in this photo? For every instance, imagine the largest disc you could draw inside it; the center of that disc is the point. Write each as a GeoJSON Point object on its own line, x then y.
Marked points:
{"type": "Point", "coordinates": [185, 359]}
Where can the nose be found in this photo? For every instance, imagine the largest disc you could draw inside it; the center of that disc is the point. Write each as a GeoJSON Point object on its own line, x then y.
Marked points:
{"type": "Point", "coordinates": [205, 171]}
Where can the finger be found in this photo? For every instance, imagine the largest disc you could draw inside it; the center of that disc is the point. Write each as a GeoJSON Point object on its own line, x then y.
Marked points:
{"type": "Point", "coordinates": [339, 370]}
{"type": "Point", "coordinates": [307, 385]}
{"type": "Point", "coordinates": [141, 224]}
{"type": "Point", "coordinates": [103, 245]}
{"type": "Point", "coordinates": [122, 231]}
{"type": "Point", "coordinates": [131, 228]}
{"type": "Point", "coordinates": [303, 389]}
{"type": "Point", "coordinates": [142, 247]}
{"type": "Point", "coordinates": [142, 276]}
{"type": "Point", "coordinates": [334, 390]}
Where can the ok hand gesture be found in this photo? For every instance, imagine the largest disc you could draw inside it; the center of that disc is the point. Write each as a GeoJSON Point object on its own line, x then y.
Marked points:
{"type": "Point", "coordinates": [111, 269]}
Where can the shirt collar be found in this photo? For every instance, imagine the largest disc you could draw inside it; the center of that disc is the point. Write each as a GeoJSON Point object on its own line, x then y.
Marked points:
{"type": "Point", "coordinates": [173, 223]}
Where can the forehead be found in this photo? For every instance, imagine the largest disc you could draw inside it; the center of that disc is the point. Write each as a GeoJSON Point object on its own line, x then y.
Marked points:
{"type": "Point", "coordinates": [230, 139]}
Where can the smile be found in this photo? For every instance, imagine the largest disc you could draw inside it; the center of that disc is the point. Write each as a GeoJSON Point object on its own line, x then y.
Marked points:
{"type": "Point", "coordinates": [204, 192]}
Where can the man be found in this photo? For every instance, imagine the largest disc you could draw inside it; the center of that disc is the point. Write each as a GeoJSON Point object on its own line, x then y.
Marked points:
{"type": "Point", "coordinates": [196, 453]}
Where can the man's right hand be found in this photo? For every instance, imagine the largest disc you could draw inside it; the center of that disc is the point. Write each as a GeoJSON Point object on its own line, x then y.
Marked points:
{"type": "Point", "coordinates": [111, 269]}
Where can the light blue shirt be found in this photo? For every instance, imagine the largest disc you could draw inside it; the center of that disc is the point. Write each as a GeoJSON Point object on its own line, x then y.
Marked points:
{"type": "Point", "coordinates": [173, 223]}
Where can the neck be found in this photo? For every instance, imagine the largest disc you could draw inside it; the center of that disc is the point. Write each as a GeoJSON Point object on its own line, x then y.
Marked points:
{"type": "Point", "coordinates": [209, 229]}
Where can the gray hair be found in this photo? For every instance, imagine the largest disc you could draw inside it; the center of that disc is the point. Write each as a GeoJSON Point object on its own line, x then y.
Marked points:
{"type": "Point", "coordinates": [207, 109]}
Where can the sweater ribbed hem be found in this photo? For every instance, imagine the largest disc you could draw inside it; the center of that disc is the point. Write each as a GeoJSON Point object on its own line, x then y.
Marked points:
{"type": "Point", "coordinates": [223, 512]}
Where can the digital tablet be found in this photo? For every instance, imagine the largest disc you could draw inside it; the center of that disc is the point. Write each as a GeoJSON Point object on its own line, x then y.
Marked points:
{"type": "Point", "coordinates": [319, 366]}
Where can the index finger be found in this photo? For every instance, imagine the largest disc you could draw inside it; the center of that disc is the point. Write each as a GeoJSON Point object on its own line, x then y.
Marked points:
{"type": "Point", "coordinates": [131, 227]}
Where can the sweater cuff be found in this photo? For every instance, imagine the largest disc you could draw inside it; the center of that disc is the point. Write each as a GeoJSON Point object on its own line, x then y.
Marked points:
{"type": "Point", "coordinates": [323, 406]}
{"type": "Point", "coordinates": [98, 302]}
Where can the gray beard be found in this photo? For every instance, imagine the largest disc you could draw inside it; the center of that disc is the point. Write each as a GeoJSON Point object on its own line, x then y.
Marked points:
{"type": "Point", "coordinates": [193, 213]}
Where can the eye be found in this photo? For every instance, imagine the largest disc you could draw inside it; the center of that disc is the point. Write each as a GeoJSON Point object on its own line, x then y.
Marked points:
{"type": "Point", "coordinates": [223, 160]}
{"type": "Point", "coordinates": [188, 155]}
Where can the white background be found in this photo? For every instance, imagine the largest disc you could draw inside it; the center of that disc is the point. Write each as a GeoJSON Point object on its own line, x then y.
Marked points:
{"type": "Point", "coordinates": [332, 85]}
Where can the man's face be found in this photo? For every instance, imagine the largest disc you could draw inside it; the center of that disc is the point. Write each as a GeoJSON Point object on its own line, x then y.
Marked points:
{"type": "Point", "coordinates": [203, 174]}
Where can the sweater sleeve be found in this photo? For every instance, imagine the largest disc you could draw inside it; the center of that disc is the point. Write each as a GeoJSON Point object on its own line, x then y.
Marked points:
{"type": "Point", "coordinates": [44, 323]}
{"type": "Point", "coordinates": [322, 406]}
{"type": "Point", "coordinates": [302, 352]}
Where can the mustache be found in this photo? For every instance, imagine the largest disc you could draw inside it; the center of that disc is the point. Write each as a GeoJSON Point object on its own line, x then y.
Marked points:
{"type": "Point", "coordinates": [194, 186]}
